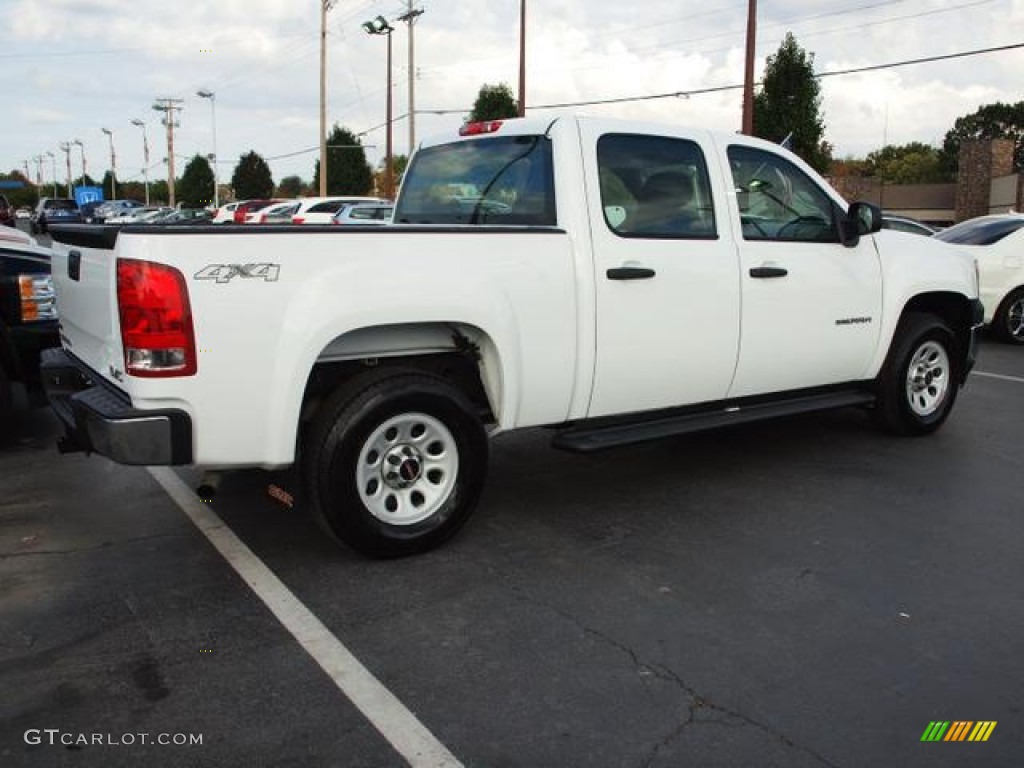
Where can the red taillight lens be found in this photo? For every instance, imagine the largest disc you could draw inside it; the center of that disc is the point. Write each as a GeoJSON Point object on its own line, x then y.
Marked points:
{"type": "Point", "coordinates": [297, 219]}
{"type": "Point", "coordinates": [156, 320]}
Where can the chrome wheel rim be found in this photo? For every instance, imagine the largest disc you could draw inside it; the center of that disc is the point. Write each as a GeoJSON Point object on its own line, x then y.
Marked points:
{"type": "Point", "coordinates": [407, 469]}
{"type": "Point", "coordinates": [928, 378]}
{"type": "Point", "coordinates": [1015, 319]}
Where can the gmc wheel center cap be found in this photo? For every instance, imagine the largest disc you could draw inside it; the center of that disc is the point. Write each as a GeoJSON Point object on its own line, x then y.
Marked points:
{"type": "Point", "coordinates": [402, 466]}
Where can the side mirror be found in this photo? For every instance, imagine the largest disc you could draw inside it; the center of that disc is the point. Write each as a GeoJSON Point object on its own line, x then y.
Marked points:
{"type": "Point", "coordinates": [861, 219]}
{"type": "Point", "coordinates": [867, 216]}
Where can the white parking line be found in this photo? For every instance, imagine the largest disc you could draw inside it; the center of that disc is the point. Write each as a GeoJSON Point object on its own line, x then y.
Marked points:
{"type": "Point", "coordinates": [386, 713]}
{"type": "Point", "coordinates": [1000, 376]}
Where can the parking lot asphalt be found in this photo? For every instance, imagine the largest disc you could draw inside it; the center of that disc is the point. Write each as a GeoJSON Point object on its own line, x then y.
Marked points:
{"type": "Point", "coordinates": [800, 593]}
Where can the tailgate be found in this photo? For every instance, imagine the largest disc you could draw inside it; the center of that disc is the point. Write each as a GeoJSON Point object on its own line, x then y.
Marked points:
{"type": "Point", "coordinates": [84, 276]}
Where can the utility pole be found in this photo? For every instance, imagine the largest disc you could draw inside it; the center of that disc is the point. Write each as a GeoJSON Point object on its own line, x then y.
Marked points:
{"type": "Point", "coordinates": [169, 107]}
{"type": "Point", "coordinates": [113, 164]}
{"type": "Point", "coordinates": [81, 148]}
{"type": "Point", "coordinates": [409, 17]}
{"type": "Point", "coordinates": [145, 155]}
{"type": "Point", "coordinates": [748, 76]}
{"type": "Point", "coordinates": [65, 147]}
{"type": "Point", "coordinates": [522, 58]}
{"type": "Point", "coordinates": [325, 6]}
{"type": "Point", "coordinates": [39, 176]}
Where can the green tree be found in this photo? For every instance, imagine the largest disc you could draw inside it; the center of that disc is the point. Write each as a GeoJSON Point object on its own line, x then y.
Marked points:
{"type": "Point", "coordinates": [348, 173]}
{"type": "Point", "coordinates": [789, 104]}
{"type": "Point", "coordinates": [291, 186]}
{"type": "Point", "coordinates": [494, 102]}
{"type": "Point", "coordinates": [195, 190]}
{"type": "Point", "coordinates": [991, 121]}
{"type": "Point", "coordinates": [27, 195]}
{"type": "Point", "coordinates": [252, 179]}
{"type": "Point", "coordinates": [913, 163]}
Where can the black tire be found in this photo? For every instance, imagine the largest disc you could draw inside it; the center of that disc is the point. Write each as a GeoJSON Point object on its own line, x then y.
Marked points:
{"type": "Point", "coordinates": [919, 381]}
{"type": "Point", "coordinates": [1008, 321]}
{"type": "Point", "coordinates": [371, 505]}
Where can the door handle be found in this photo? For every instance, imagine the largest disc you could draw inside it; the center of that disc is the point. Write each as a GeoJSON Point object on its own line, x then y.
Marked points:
{"type": "Point", "coordinates": [630, 273]}
{"type": "Point", "coordinates": [768, 272]}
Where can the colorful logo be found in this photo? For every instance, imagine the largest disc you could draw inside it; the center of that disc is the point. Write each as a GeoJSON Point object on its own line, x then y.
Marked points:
{"type": "Point", "coordinates": [958, 730]}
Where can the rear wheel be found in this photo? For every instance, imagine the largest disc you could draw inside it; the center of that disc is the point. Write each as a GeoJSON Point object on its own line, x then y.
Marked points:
{"type": "Point", "coordinates": [395, 462]}
{"type": "Point", "coordinates": [918, 383]}
{"type": "Point", "coordinates": [1008, 321]}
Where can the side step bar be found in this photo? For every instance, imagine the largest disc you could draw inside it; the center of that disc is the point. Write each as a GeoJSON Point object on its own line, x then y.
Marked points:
{"type": "Point", "coordinates": [589, 438]}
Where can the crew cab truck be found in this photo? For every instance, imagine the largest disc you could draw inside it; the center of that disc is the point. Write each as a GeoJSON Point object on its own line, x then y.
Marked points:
{"type": "Point", "coordinates": [28, 321]}
{"type": "Point", "coordinates": [617, 280]}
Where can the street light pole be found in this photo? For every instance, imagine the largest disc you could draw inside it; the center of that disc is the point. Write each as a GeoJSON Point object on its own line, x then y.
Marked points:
{"type": "Point", "coordinates": [53, 163]}
{"type": "Point", "coordinates": [325, 6]}
{"type": "Point", "coordinates": [65, 147]}
{"type": "Point", "coordinates": [113, 165]}
{"type": "Point", "coordinates": [145, 155]}
{"type": "Point", "coordinates": [81, 148]}
{"type": "Point", "coordinates": [409, 17]}
{"type": "Point", "coordinates": [380, 26]}
{"type": "Point", "coordinates": [205, 94]}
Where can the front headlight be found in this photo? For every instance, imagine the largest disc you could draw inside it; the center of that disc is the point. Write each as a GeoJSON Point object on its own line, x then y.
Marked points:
{"type": "Point", "coordinates": [38, 301]}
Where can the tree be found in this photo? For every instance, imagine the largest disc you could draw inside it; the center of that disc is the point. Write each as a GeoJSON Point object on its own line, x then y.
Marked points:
{"type": "Point", "coordinates": [789, 102]}
{"type": "Point", "coordinates": [195, 190]}
{"type": "Point", "coordinates": [494, 102]}
{"type": "Point", "coordinates": [291, 186]}
{"type": "Point", "coordinates": [913, 163]}
{"type": "Point", "coordinates": [348, 173]}
{"type": "Point", "coordinates": [26, 195]}
{"type": "Point", "coordinates": [991, 121]}
{"type": "Point", "coordinates": [252, 179]}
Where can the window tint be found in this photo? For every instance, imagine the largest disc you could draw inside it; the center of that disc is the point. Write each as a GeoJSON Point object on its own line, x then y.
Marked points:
{"type": "Point", "coordinates": [778, 201]}
{"type": "Point", "coordinates": [654, 187]}
{"type": "Point", "coordinates": [499, 180]}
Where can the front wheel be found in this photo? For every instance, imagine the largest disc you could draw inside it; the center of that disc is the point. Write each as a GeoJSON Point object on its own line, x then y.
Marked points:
{"type": "Point", "coordinates": [395, 462]}
{"type": "Point", "coordinates": [1008, 321]}
{"type": "Point", "coordinates": [918, 383]}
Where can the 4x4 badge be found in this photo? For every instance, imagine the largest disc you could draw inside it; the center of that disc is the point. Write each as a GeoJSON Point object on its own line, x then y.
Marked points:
{"type": "Point", "coordinates": [224, 273]}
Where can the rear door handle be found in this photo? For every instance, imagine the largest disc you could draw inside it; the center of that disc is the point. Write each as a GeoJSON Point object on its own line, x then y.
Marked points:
{"type": "Point", "coordinates": [768, 272]}
{"type": "Point", "coordinates": [630, 273]}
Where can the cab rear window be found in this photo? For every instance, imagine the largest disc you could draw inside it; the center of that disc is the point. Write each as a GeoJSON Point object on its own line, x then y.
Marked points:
{"type": "Point", "coordinates": [504, 180]}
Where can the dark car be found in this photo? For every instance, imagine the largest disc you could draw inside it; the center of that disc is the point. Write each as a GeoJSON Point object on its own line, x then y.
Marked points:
{"type": "Point", "coordinates": [28, 321]}
{"type": "Point", "coordinates": [6, 212]}
{"type": "Point", "coordinates": [54, 210]}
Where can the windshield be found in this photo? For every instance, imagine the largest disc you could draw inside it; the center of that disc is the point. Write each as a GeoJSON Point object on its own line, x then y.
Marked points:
{"type": "Point", "coordinates": [983, 231]}
{"type": "Point", "coordinates": [501, 180]}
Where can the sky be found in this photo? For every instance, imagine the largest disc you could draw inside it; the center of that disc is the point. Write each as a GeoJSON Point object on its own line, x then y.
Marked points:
{"type": "Point", "coordinates": [73, 67]}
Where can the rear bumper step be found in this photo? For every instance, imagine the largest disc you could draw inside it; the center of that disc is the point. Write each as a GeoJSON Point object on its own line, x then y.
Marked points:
{"type": "Point", "coordinates": [589, 438]}
{"type": "Point", "coordinates": [100, 419]}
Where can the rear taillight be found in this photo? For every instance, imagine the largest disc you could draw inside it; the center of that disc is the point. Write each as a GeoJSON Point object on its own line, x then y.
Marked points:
{"type": "Point", "coordinates": [156, 320]}
{"type": "Point", "coordinates": [297, 220]}
{"type": "Point", "coordinates": [37, 298]}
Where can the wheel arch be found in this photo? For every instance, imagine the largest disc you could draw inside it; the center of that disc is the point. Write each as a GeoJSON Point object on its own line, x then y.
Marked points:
{"type": "Point", "coordinates": [953, 308]}
{"type": "Point", "coordinates": [463, 353]}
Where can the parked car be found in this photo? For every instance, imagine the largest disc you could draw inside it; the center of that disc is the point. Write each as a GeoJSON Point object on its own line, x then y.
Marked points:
{"type": "Point", "coordinates": [23, 213]}
{"type": "Point", "coordinates": [28, 320]}
{"type": "Point", "coordinates": [186, 216]}
{"type": "Point", "coordinates": [907, 224]}
{"type": "Point", "coordinates": [54, 210]}
{"type": "Point", "coordinates": [998, 242]}
{"type": "Point", "coordinates": [226, 213]}
{"type": "Point", "coordinates": [250, 206]}
{"type": "Point", "coordinates": [112, 208]}
{"type": "Point", "coordinates": [6, 212]}
{"type": "Point", "coordinates": [364, 213]}
{"type": "Point", "coordinates": [279, 213]}
{"type": "Point", "coordinates": [140, 215]}
{"type": "Point", "coordinates": [320, 210]}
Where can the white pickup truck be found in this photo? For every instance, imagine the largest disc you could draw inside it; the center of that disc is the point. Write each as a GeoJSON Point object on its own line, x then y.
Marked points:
{"type": "Point", "coordinates": [619, 281]}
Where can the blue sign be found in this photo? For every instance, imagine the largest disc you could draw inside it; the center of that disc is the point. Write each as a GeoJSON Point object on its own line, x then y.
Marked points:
{"type": "Point", "coordinates": [85, 195]}
{"type": "Point", "coordinates": [15, 184]}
